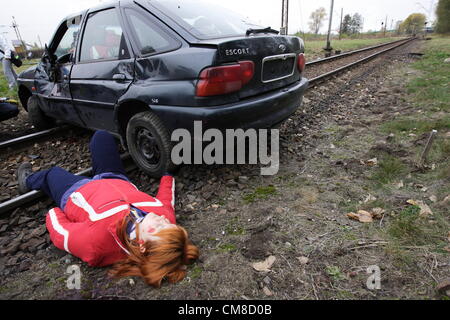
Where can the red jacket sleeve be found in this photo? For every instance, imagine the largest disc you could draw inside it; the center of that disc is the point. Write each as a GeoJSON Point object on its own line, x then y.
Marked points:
{"type": "Point", "coordinates": [72, 237]}
{"type": "Point", "coordinates": [166, 193]}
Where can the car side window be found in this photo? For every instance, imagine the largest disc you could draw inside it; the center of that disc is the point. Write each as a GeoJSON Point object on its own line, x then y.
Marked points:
{"type": "Point", "coordinates": [103, 38]}
{"type": "Point", "coordinates": [68, 42]}
{"type": "Point", "coordinates": [149, 37]}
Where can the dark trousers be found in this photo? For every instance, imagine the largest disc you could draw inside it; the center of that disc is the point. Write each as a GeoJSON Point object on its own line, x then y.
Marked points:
{"type": "Point", "coordinates": [56, 181]}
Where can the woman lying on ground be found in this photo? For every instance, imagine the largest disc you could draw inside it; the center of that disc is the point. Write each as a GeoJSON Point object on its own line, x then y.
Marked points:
{"type": "Point", "coordinates": [106, 220]}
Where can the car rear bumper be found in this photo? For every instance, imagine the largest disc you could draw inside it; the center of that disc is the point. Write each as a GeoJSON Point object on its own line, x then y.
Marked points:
{"type": "Point", "coordinates": [263, 111]}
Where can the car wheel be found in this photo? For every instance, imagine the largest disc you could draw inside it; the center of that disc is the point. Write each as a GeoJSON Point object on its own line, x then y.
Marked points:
{"type": "Point", "coordinates": [149, 144]}
{"type": "Point", "coordinates": [37, 118]}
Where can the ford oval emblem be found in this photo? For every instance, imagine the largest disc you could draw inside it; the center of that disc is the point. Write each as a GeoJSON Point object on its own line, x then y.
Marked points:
{"type": "Point", "coordinates": [282, 47]}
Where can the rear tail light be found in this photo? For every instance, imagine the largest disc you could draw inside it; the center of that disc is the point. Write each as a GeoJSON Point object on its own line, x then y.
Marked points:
{"type": "Point", "coordinates": [301, 62]}
{"type": "Point", "coordinates": [225, 79]}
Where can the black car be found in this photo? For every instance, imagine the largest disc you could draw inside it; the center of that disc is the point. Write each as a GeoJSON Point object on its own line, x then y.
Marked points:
{"type": "Point", "coordinates": [141, 69]}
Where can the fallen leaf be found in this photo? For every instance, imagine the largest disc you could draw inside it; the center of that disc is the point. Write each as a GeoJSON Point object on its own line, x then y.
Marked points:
{"type": "Point", "coordinates": [377, 213]}
{"type": "Point", "coordinates": [372, 162]}
{"type": "Point", "coordinates": [448, 237]}
{"type": "Point", "coordinates": [433, 199]}
{"type": "Point", "coordinates": [265, 265]}
{"type": "Point", "coordinates": [361, 216]}
{"type": "Point", "coordinates": [425, 210]}
{"type": "Point", "coordinates": [303, 260]}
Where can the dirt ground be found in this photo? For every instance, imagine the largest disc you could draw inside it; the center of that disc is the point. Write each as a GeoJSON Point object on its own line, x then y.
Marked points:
{"type": "Point", "coordinates": [333, 152]}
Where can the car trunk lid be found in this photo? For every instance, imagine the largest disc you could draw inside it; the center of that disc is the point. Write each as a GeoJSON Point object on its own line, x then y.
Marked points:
{"type": "Point", "coordinates": [274, 58]}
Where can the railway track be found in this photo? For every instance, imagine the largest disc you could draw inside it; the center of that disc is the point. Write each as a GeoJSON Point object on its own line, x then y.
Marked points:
{"type": "Point", "coordinates": [349, 53]}
{"type": "Point", "coordinates": [17, 142]}
{"type": "Point", "coordinates": [130, 166]}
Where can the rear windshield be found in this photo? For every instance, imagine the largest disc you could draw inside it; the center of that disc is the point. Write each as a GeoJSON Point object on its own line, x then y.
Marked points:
{"type": "Point", "coordinates": [205, 20]}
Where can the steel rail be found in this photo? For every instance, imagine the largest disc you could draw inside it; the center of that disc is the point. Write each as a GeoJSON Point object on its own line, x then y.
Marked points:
{"type": "Point", "coordinates": [349, 53]}
{"type": "Point", "coordinates": [36, 195]}
{"type": "Point", "coordinates": [30, 137]}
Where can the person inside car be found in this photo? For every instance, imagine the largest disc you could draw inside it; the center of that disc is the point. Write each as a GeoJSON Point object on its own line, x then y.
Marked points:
{"type": "Point", "coordinates": [106, 220]}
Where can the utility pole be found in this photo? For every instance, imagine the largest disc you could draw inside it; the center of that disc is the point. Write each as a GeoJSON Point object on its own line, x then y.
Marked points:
{"type": "Point", "coordinates": [19, 37]}
{"type": "Point", "coordinates": [284, 17]}
{"type": "Point", "coordinates": [385, 27]}
{"type": "Point", "coordinates": [328, 47]}
{"type": "Point", "coordinates": [340, 27]}
{"type": "Point", "coordinates": [40, 43]}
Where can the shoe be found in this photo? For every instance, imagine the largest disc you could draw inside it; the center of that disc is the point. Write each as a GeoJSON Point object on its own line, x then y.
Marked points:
{"type": "Point", "coordinates": [23, 172]}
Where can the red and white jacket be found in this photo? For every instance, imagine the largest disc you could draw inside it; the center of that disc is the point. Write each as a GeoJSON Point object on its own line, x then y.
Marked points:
{"type": "Point", "coordinates": [87, 226]}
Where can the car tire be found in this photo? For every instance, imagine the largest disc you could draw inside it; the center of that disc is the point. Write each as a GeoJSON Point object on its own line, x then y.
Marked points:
{"type": "Point", "coordinates": [149, 144]}
{"type": "Point", "coordinates": [37, 118]}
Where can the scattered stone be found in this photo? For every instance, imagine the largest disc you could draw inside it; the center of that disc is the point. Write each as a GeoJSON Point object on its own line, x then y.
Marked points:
{"type": "Point", "coordinates": [267, 292]}
{"type": "Point", "coordinates": [32, 245]}
{"type": "Point", "coordinates": [447, 60]}
{"type": "Point", "coordinates": [370, 198]}
{"type": "Point", "coordinates": [24, 266]}
{"type": "Point", "coordinates": [12, 261]}
{"type": "Point", "coordinates": [67, 259]}
{"type": "Point", "coordinates": [444, 287]}
{"type": "Point", "coordinates": [433, 199]}
{"type": "Point", "coordinates": [399, 185]}
{"type": "Point", "coordinates": [12, 248]}
{"type": "Point", "coordinates": [303, 260]}
{"type": "Point", "coordinates": [243, 179]}
{"type": "Point", "coordinates": [14, 221]}
{"type": "Point", "coordinates": [390, 137]}
{"type": "Point", "coordinates": [23, 220]}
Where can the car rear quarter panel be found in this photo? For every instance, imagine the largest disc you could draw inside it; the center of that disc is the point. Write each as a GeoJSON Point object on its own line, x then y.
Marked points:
{"type": "Point", "coordinates": [170, 79]}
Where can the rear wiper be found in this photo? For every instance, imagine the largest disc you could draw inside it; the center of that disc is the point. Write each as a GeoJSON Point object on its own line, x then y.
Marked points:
{"type": "Point", "coordinates": [266, 30]}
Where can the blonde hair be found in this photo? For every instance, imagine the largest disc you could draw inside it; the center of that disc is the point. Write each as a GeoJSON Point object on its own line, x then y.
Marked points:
{"type": "Point", "coordinates": [165, 258]}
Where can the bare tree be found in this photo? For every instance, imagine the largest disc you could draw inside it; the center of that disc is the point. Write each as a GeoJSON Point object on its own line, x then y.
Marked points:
{"type": "Point", "coordinates": [317, 17]}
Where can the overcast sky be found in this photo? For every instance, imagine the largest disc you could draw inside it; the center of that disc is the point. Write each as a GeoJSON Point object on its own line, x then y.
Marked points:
{"type": "Point", "coordinates": [40, 18]}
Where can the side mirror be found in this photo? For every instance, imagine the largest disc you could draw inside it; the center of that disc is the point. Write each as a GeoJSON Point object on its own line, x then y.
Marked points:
{"type": "Point", "coordinates": [48, 56]}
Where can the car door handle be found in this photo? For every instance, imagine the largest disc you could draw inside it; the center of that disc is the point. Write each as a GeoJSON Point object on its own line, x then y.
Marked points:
{"type": "Point", "coordinates": [119, 77]}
